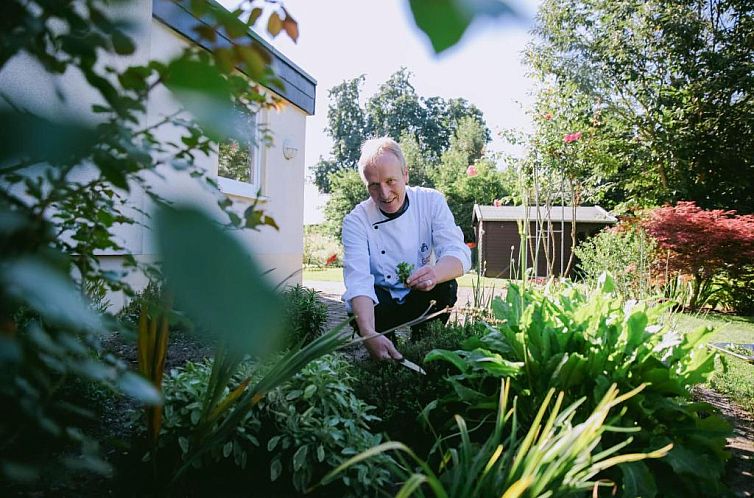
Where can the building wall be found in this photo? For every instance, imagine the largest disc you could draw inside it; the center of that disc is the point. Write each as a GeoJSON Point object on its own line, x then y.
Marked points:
{"type": "Point", "coordinates": [501, 244]}
{"type": "Point", "coordinates": [282, 180]}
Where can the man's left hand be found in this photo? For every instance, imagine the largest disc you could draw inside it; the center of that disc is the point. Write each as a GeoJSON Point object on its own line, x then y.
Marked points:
{"type": "Point", "coordinates": [423, 279]}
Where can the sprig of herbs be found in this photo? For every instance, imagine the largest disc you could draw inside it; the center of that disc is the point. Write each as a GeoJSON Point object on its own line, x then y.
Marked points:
{"type": "Point", "coordinates": [404, 271]}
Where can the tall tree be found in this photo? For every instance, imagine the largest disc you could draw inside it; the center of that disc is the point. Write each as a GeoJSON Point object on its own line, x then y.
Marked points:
{"type": "Point", "coordinates": [395, 110]}
{"type": "Point", "coordinates": [662, 90]}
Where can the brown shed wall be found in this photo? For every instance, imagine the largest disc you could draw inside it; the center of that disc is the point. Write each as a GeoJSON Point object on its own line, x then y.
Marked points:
{"type": "Point", "coordinates": [500, 261]}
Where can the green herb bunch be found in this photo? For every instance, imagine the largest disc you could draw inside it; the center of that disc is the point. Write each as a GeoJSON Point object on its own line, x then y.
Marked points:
{"type": "Point", "coordinates": [404, 271]}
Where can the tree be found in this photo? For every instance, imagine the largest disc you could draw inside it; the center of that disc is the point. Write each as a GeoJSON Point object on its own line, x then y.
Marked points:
{"type": "Point", "coordinates": [466, 176]}
{"type": "Point", "coordinates": [665, 98]}
{"type": "Point", "coordinates": [397, 111]}
{"type": "Point", "coordinates": [347, 122]}
{"type": "Point", "coordinates": [348, 190]}
{"type": "Point", "coordinates": [702, 243]}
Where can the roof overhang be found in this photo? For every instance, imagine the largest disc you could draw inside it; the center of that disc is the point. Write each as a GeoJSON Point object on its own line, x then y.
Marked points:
{"type": "Point", "coordinates": [584, 214]}
{"type": "Point", "coordinates": [300, 87]}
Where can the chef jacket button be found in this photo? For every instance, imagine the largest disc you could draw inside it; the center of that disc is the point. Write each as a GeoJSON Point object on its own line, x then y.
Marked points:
{"type": "Point", "coordinates": [383, 252]}
{"type": "Point", "coordinates": [376, 227]}
{"type": "Point", "coordinates": [388, 277]}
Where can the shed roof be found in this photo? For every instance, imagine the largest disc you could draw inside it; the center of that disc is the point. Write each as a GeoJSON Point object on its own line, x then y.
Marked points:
{"type": "Point", "coordinates": [584, 214]}
{"type": "Point", "coordinates": [300, 87]}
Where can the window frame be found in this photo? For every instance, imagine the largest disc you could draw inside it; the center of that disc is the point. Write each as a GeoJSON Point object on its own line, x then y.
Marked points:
{"type": "Point", "coordinates": [230, 186]}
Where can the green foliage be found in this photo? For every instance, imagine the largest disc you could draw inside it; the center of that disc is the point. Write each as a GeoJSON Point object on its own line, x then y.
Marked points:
{"type": "Point", "coordinates": [556, 456]}
{"type": "Point", "coordinates": [445, 22]}
{"type": "Point", "coordinates": [582, 342]}
{"type": "Point", "coordinates": [348, 190]}
{"type": "Point", "coordinates": [320, 247]}
{"type": "Point", "coordinates": [49, 351]}
{"type": "Point", "coordinates": [397, 111]}
{"type": "Point", "coordinates": [304, 316]}
{"type": "Point", "coordinates": [299, 431]}
{"type": "Point", "coordinates": [627, 253]}
{"type": "Point", "coordinates": [661, 101]}
{"type": "Point", "coordinates": [404, 271]}
{"type": "Point", "coordinates": [400, 395]}
{"type": "Point", "coordinates": [65, 187]}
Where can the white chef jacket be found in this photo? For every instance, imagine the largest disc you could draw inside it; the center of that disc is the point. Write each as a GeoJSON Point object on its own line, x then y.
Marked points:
{"type": "Point", "coordinates": [374, 244]}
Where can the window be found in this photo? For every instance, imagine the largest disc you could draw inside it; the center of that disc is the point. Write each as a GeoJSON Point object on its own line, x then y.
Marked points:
{"type": "Point", "coordinates": [239, 162]}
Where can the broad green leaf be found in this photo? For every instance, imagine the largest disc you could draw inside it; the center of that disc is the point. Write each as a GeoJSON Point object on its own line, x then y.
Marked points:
{"type": "Point", "coordinates": [227, 449]}
{"type": "Point", "coordinates": [216, 281]}
{"type": "Point", "coordinates": [684, 460]}
{"type": "Point", "coordinates": [50, 293]}
{"type": "Point", "coordinates": [205, 93]}
{"type": "Point", "coordinates": [35, 139]}
{"type": "Point", "coordinates": [139, 388]}
{"type": "Point", "coordinates": [449, 356]}
{"type": "Point", "coordinates": [445, 21]}
{"type": "Point", "coordinates": [637, 480]}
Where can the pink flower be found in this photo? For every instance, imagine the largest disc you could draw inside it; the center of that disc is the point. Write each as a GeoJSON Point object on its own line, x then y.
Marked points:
{"type": "Point", "coordinates": [497, 203]}
{"type": "Point", "coordinates": [547, 116]}
{"type": "Point", "coordinates": [571, 137]}
{"type": "Point", "coordinates": [471, 171]}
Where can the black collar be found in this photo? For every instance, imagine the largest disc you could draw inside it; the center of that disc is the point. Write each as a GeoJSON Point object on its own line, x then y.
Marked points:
{"type": "Point", "coordinates": [403, 209]}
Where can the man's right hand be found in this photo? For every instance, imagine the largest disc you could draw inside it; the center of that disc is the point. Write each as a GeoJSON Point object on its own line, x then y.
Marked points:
{"type": "Point", "coordinates": [382, 348]}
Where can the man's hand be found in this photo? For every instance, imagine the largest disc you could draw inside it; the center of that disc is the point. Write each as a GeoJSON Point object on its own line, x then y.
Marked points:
{"type": "Point", "coordinates": [424, 279]}
{"type": "Point", "coordinates": [381, 348]}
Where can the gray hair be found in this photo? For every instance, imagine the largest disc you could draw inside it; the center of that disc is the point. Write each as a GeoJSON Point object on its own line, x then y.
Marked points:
{"type": "Point", "coordinates": [374, 148]}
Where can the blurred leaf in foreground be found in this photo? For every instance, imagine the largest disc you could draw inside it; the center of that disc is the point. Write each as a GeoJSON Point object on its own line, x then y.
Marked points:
{"type": "Point", "coordinates": [214, 278]}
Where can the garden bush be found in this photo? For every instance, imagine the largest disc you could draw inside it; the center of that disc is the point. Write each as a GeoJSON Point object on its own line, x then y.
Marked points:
{"type": "Point", "coordinates": [320, 248]}
{"type": "Point", "coordinates": [626, 252]}
{"type": "Point", "coordinates": [295, 434]}
{"type": "Point", "coordinates": [705, 245]}
{"type": "Point", "coordinates": [400, 394]}
{"type": "Point", "coordinates": [304, 316]}
{"type": "Point", "coordinates": [582, 342]}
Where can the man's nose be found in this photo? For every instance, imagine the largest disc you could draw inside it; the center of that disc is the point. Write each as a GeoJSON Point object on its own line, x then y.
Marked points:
{"type": "Point", "coordinates": [384, 191]}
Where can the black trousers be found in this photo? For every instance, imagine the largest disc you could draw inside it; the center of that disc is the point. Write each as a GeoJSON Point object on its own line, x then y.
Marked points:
{"type": "Point", "coordinates": [390, 313]}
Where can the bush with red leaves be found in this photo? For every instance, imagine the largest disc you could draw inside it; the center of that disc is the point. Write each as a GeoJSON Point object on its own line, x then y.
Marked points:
{"type": "Point", "coordinates": [704, 244]}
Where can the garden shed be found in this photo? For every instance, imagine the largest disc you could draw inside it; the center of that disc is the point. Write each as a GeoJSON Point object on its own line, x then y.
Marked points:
{"type": "Point", "coordinates": [498, 240]}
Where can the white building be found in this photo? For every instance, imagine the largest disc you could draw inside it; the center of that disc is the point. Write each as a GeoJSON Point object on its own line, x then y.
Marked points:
{"type": "Point", "coordinates": [277, 171]}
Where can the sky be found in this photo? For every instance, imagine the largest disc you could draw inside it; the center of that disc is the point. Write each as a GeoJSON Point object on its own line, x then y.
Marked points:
{"type": "Point", "coordinates": [342, 39]}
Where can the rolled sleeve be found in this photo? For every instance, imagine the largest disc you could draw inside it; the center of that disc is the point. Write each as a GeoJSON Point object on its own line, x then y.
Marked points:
{"type": "Point", "coordinates": [357, 276]}
{"type": "Point", "coordinates": [447, 237]}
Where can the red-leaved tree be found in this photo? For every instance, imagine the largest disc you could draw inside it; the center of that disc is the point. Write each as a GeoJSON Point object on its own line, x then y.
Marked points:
{"type": "Point", "coordinates": [701, 243]}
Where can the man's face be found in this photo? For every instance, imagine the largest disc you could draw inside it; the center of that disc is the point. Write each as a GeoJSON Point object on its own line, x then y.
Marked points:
{"type": "Point", "coordinates": [386, 182]}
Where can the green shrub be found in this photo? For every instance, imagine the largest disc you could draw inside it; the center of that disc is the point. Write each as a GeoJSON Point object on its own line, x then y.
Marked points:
{"type": "Point", "coordinates": [297, 432]}
{"type": "Point", "coordinates": [626, 252]}
{"type": "Point", "coordinates": [304, 316]}
{"type": "Point", "coordinates": [582, 342]}
{"type": "Point", "coordinates": [400, 394]}
{"type": "Point", "coordinates": [151, 299]}
{"type": "Point", "coordinates": [736, 289]}
{"type": "Point", "coordinates": [320, 247]}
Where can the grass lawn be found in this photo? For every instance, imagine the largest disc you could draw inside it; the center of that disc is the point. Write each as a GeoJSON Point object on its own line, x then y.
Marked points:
{"type": "Point", "coordinates": [336, 275]}
{"type": "Point", "coordinates": [732, 377]}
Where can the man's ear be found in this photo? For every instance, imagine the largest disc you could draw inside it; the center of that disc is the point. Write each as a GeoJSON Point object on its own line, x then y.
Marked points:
{"type": "Point", "coordinates": [405, 176]}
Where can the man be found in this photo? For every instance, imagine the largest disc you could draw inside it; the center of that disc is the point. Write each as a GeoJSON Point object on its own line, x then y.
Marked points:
{"type": "Point", "coordinates": [398, 224]}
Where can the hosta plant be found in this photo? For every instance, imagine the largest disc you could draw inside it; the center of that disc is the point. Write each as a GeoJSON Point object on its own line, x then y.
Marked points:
{"type": "Point", "coordinates": [582, 342]}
